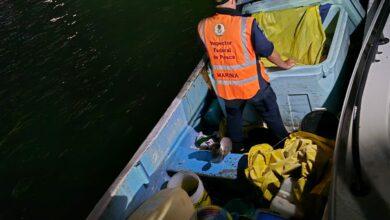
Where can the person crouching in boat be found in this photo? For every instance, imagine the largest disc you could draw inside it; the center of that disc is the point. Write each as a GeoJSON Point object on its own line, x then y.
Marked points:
{"type": "Point", "coordinates": [233, 42]}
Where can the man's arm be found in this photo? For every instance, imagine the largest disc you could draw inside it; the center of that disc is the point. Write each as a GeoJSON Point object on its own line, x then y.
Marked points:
{"type": "Point", "coordinates": [265, 48]}
{"type": "Point", "coordinates": [201, 31]}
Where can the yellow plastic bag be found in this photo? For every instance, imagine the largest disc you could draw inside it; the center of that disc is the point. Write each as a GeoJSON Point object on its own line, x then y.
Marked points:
{"type": "Point", "coordinates": [296, 33]}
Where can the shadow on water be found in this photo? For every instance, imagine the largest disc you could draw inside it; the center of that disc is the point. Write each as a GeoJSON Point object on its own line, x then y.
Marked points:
{"type": "Point", "coordinates": [82, 83]}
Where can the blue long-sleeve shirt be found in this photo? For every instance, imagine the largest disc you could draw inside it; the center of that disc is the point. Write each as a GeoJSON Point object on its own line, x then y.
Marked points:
{"type": "Point", "coordinates": [263, 47]}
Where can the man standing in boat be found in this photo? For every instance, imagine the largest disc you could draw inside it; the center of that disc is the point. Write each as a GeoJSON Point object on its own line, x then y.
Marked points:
{"type": "Point", "coordinates": [233, 43]}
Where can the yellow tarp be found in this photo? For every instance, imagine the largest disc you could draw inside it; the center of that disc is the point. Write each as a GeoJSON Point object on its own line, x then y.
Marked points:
{"type": "Point", "coordinates": [302, 153]}
{"type": "Point", "coordinates": [296, 33]}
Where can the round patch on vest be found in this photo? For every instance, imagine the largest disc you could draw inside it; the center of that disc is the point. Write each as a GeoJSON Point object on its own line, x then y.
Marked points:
{"type": "Point", "coordinates": [219, 29]}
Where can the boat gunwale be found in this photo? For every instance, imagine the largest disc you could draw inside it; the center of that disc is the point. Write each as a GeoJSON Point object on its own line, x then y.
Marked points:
{"type": "Point", "coordinates": [103, 203]}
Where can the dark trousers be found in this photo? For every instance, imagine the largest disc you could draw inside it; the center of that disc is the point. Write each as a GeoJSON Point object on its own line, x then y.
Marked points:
{"type": "Point", "coordinates": [265, 104]}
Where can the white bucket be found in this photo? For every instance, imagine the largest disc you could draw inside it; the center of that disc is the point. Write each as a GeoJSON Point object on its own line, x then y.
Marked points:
{"type": "Point", "coordinates": [191, 183]}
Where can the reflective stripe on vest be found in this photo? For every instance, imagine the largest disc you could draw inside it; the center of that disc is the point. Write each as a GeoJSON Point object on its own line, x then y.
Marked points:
{"type": "Point", "coordinates": [232, 57]}
{"type": "Point", "coordinates": [238, 82]}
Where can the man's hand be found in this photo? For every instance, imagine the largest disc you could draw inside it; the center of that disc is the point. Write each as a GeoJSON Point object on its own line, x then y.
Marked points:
{"type": "Point", "coordinates": [277, 60]}
{"type": "Point", "coordinates": [289, 64]}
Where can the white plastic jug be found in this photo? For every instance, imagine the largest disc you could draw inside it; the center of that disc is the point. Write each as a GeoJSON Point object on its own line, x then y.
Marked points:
{"type": "Point", "coordinates": [192, 184]}
{"type": "Point", "coordinates": [284, 202]}
{"type": "Point", "coordinates": [166, 204]}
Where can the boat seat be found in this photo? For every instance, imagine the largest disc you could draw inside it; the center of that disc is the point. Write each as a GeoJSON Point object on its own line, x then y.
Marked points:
{"type": "Point", "coordinates": [191, 159]}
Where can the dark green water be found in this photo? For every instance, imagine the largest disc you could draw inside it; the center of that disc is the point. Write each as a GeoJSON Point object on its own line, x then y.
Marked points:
{"type": "Point", "coordinates": [82, 84]}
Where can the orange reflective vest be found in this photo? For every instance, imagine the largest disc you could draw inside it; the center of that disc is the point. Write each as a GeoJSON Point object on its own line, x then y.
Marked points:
{"type": "Point", "coordinates": [233, 59]}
